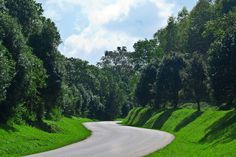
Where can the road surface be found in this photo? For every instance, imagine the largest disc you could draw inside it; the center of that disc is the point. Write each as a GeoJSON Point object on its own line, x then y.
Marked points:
{"type": "Point", "coordinates": [112, 140]}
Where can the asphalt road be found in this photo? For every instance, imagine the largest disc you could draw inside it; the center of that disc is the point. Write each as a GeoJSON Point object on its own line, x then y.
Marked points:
{"type": "Point", "coordinates": [112, 140]}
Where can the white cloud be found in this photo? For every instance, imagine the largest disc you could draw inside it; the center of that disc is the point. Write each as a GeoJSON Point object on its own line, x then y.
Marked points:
{"type": "Point", "coordinates": [98, 13]}
{"type": "Point", "coordinates": [90, 40]}
{"type": "Point", "coordinates": [164, 9]}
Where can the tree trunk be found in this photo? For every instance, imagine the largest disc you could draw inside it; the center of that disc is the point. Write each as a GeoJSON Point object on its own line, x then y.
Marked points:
{"type": "Point", "coordinates": [198, 106]}
{"type": "Point", "coordinates": [157, 104]}
{"type": "Point", "coordinates": [175, 104]}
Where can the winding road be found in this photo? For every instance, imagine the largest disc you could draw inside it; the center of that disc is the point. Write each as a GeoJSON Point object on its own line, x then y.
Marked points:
{"type": "Point", "coordinates": [112, 140]}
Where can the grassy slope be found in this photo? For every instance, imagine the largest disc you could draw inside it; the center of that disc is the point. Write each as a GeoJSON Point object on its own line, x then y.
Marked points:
{"type": "Point", "coordinates": [208, 134]}
{"type": "Point", "coordinates": [22, 140]}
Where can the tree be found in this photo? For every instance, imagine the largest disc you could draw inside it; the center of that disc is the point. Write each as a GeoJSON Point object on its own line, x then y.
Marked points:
{"type": "Point", "coordinates": [196, 79]}
{"type": "Point", "coordinates": [183, 14]}
{"type": "Point", "coordinates": [183, 23]}
{"type": "Point", "coordinates": [113, 102]}
{"type": "Point", "coordinates": [96, 108]}
{"type": "Point", "coordinates": [144, 53]}
{"type": "Point", "coordinates": [167, 37]}
{"type": "Point", "coordinates": [169, 81]}
{"type": "Point", "coordinates": [24, 88]}
{"type": "Point", "coordinates": [144, 91]}
{"type": "Point", "coordinates": [6, 71]}
{"type": "Point", "coordinates": [222, 69]}
{"type": "Point", "coordinates": [11, 35]}
{"type": "Point", "coordinates": [28, 13]}
{"type": "Point", "coordinates": [221, 26]}
{"type": "Point", "coordinates": [44, 46]}
{"type": "Point", "coordinates": [199, 16]}
{"type": "Point", "coordinates": [6, 75]}
{"type": "Point", "coordinates": [117, 70]}
{"type": "Point", "coordinates": [226, 6]}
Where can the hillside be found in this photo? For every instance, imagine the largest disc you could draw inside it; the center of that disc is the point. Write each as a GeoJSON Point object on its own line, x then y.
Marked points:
{"type": "Point", "coordinates": [208, 133]}
{"type": "Point", "coordinates": [22, 140]}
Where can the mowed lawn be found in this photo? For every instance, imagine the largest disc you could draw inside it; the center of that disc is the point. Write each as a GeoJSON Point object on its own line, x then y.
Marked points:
{"type": "Point", "coordinates": [209, 133]}
{"type": "Point", "coordinates": [22, 140]}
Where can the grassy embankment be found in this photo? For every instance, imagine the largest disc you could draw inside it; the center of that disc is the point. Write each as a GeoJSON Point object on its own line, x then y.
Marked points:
{"type": "Point", "coordinates": [22, 140]}
{"type": "Point", "coordinates": [209, 133]}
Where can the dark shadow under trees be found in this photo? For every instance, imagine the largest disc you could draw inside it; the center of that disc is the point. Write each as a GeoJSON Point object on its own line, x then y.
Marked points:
{"type": "Point", "coordinates": [148, 114]}
{"type": "Point", "coordinates": [225, 126]}
{"type": "Point", "coordinates": [188, 120]}
{"type": "Point", "coordinates": [8, 128]}
{"type": "Point", "coordinates": [132, 118]}
{"type": "Point", "coordinates": [163, 118]}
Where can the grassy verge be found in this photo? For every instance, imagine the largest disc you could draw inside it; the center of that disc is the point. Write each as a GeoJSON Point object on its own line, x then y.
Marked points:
{"type": "Point", "coordinates": [210, 133]}
{"type": "Point", "coordinates": [22, 140]}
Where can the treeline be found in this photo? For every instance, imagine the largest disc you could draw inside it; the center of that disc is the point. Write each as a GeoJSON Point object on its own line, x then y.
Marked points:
{"type": "Point", "coordinates": [192, 59]}
{"type": "Point", "coordinates": [37, 82]}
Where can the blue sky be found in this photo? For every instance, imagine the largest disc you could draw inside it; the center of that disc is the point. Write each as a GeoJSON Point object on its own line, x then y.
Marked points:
{"type": "Point", "coordinates": [89, 27]}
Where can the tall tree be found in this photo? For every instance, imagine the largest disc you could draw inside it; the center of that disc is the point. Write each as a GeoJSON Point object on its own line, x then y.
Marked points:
{"type": "Point", "coordinates": [199, 16]}
{"type": "Point", "coordinates": [145, 52]}
{"type": "Point", "coordinates": [28, 13]}
{"type": "Point", "coordinates": [222, 69]}
{"type": "Point", "coordinates": [169, 81]}
{"type": "Point", "coordinates": [197, 79]}
{"type": "Point", "coordinates": [167, 37]}
{"type": "Point", "coordinates": [144, 92]}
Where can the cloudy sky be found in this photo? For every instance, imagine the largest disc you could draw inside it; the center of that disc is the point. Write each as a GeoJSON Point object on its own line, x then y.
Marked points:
{"type": "Point", "coordinates": [89, 27]}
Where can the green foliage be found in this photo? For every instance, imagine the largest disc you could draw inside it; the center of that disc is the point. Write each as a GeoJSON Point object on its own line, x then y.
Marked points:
{"type": "Point", "coordinates": [169, 82]}
{"type": "Point", "coordinates": [96, 108]}
{"type": "Point", "coordinates": [226, 5]}
{"type": "Point", "coordinates": [195, 84]}
{"type": "Point", "coordinates": [199, 16]}
{"type": "Point", "coordinates": [27, 12]}
{"type": "Point", "coordinates": [221, 26]}
{"type": "Point", "coordinates": [222, 69]}
{"type": "Point", "coordinates": [144, 91]}
{"type": "Point", "coordinates": [10, 35]}
{"type": "Point", "coordinates": [6, 71]}
{"type": "Point", "coordinates": [145, 52]}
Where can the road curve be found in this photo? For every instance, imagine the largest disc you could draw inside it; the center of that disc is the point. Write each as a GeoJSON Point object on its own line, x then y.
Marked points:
{"type": "Point", "coordinates": [112, 140]}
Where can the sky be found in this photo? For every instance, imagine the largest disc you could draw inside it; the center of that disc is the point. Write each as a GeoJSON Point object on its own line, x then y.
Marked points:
{"type": "Point", "coordinates": [90, 27]}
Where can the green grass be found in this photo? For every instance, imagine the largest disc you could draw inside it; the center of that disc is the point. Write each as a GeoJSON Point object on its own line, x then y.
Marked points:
{"type": "Point", "coordinates": [141, 117]}
{"type": "Point", "coordinates": [132, 114]}
{"type": "Point", "coordinates": [210, 133]}
{"type": "Point", "coordinates": [22, 140]}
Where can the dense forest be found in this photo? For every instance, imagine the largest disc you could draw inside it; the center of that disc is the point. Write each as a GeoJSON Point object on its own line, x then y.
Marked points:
{"type": "Point", "coordinates": [192, 59]}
